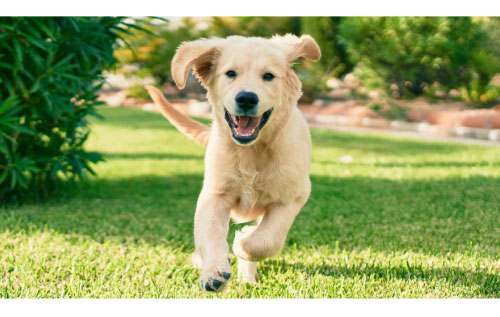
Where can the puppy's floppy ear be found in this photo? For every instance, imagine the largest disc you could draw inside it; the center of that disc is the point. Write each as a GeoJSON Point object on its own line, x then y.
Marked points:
{"type": "Point", "coordinates": [304, 46]}
{"type": "Point", "coordinates": [201, 55]}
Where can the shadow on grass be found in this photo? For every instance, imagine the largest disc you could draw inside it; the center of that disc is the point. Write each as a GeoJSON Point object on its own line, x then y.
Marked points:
{"type": "Point", "coordinates": [487, 284]}
{"type": "Point", "coordinates": [432, 216]}
{"type": "Point", "coordinates": [147, 209]}
{"type": "Point", "coordinates": [154, 156]}
{"type": "Point", "coordinates": [429, 216]}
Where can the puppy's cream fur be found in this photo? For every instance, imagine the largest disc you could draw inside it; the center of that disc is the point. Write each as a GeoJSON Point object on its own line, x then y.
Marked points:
{"type": "Point", "coordinates": [266, 181]}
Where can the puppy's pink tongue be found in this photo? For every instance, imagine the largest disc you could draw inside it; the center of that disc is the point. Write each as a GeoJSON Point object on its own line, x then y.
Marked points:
{"type": "Point", "coordinates": [247, 125]}
{"type": "Point", "coordinates": [243, 122]}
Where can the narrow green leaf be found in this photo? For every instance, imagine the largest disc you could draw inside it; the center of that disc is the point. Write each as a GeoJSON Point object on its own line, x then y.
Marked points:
{"type": "Point", "coordinates": [19, 54]}
{"type": "Point", "coordinates": [63, 61]}
{"type": "Point", "coordinates": [5, 65]}
{"type": "Point", "coordinates": [4, 175]}
{"type": "Point", "coordinates": [8, 137]}
{"type": "Point", "coordinates": [13, 179]}
{"type": "Point", "coordinates": [8, 104]}
{"type": "Point", "coordinates": [47, 31]}
{"type": "Point", "coordinates": [6, 26]}
{"type": "Point", "coordinates": [20, 84]}
{"type": "Point", "coordinates": [23, 129]}
{"type": "Point", "coordinates": [3, 147]}
{"type": "Point", "coordinates": [21, 179]}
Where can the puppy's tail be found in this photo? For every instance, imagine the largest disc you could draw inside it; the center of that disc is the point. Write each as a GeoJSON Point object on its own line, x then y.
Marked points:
{"type": "Point", "coordinates": [193, 129]}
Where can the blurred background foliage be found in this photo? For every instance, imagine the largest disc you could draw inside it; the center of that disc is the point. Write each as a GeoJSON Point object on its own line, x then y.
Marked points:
{"type": "Point", "coordinates": [399, 57]}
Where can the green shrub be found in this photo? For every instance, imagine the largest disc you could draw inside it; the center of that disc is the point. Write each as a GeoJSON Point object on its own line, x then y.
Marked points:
{"type": "Point", "coordinates": [50, 73]}
{"type": "Point", "coordinates": [254, 26]}
{"type": "Point", "coordinates": [415, 52]}
{"type": "Point", "coordinates": [370, 81]}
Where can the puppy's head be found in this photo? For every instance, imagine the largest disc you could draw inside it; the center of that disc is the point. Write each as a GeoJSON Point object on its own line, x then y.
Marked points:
{"type": "Point", "coordinates": [249, 81]}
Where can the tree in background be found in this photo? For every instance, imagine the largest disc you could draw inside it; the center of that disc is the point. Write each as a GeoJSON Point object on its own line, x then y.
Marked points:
{"type": "Point", "coordinates": [333, 62]}
{"type": "Point", "coordinates": [50, 73]}
{"type": "Point", "coordinates": [254, 26]}
{"type": "Point", "coordinates": [491, 25]}
{"type": "Point", "coordinates": [153, 51]}
{"type": "Point", "coordinates": [414, 53]}
{"type": "Point", "coordinates": [324, 30]}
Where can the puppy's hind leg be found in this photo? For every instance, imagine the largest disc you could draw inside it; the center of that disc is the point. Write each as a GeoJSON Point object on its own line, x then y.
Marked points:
{"type": "Point", "coordinates": [247, 271]}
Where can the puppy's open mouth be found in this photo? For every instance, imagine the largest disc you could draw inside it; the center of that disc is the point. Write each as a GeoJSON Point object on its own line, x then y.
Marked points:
{"type": "Point", "coordinates": [245, 129]}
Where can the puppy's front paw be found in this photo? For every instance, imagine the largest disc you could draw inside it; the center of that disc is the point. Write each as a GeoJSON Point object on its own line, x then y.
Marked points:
{"type": "Point", "coordinates": [215, 277]}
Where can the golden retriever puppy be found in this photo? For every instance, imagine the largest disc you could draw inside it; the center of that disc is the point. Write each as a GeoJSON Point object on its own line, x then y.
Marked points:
{"type": "Point", "coordinates": [258, 148]}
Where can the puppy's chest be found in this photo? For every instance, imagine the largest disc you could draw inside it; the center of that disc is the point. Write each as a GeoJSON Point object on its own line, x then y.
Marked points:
{"type": "Point", "coordinates": [260, 186]}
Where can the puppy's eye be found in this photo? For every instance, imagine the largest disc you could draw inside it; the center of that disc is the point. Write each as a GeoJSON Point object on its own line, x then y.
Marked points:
{"type": "Point", "coordinates": [268, 76]}
{"type": "Point", "coordinates": [231, 74]}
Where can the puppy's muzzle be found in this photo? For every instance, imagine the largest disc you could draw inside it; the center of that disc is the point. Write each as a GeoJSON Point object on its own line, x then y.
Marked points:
{"type": "Point", "coordinates": [245, 122]}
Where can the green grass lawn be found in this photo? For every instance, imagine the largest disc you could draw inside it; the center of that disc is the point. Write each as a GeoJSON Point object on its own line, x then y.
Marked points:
{"type": "Point", "coordinates": [406, 218]}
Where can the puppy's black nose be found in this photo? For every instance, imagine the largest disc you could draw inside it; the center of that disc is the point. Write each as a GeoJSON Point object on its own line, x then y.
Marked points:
{"type": "Point", "coordinates": [246, 100]}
